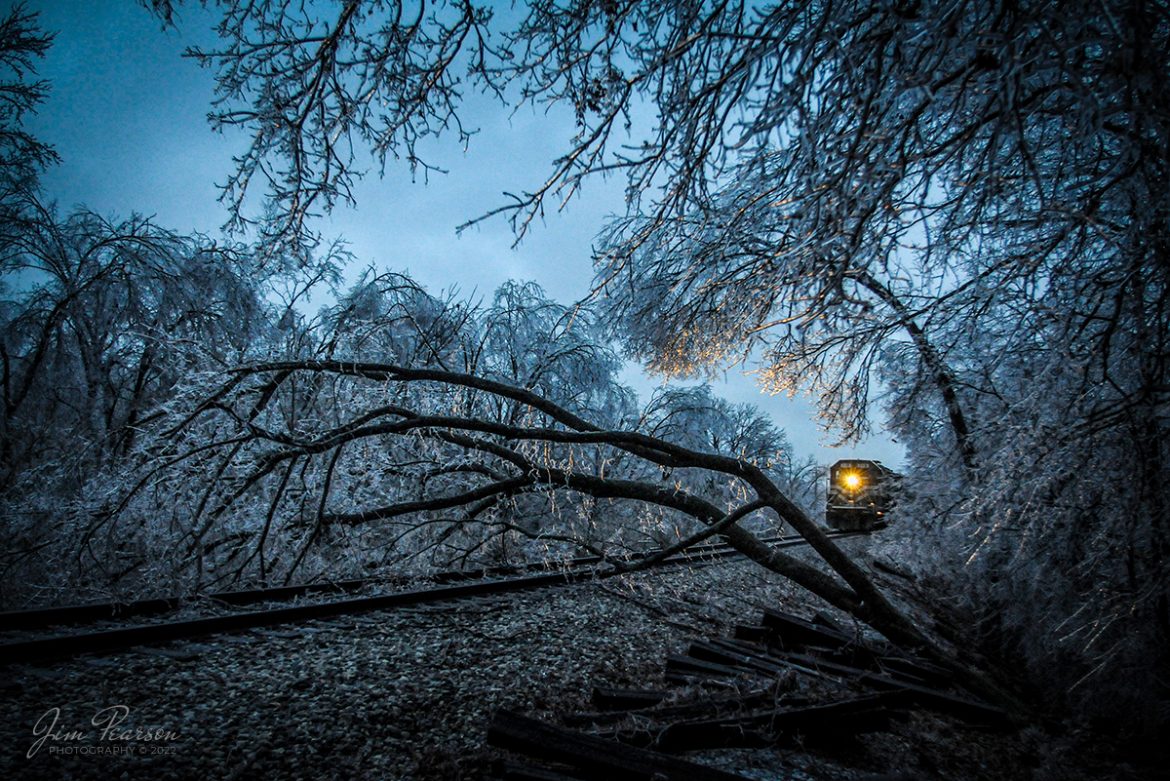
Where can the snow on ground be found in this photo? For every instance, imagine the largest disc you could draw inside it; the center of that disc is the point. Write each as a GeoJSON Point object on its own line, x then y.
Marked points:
{"type": "Point", "coordinates": [408, 693]}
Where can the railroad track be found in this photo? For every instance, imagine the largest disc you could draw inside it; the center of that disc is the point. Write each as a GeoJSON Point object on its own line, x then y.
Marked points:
{"type": "Point", "coordinates": [480, 583]}
{"type": "Point", "coordinates": [735, 701]}
{"type": "Point", "coordinates": [93, 613]}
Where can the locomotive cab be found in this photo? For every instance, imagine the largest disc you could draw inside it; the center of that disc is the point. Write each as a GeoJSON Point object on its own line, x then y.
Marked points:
{"type": "Point", "coordinates": [860, 494]}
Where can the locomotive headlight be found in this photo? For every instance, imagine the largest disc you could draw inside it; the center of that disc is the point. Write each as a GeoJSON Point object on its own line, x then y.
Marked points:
{"type": "Point", "coordinates": [851, 480]}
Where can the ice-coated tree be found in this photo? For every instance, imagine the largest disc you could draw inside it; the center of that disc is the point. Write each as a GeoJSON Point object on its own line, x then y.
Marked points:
{"type": "Point", "coordinates": [22, 156]}
{"type": "Point", "coordinates": [421, 459]}
{"type": "Point", "coordinates": [967, 198]}
{"type": "Point", "coordinates": [812, 180]}
{"type": "Point", "coordinates": [100, 319]}
{"type": "Point", "coordinates": [406, 492]}
{"type": "Point", "coordinates": [104, 323]}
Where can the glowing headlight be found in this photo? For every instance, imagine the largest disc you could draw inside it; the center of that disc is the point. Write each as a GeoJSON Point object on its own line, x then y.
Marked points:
{"type": "Point", "coordinates": [851, 480]}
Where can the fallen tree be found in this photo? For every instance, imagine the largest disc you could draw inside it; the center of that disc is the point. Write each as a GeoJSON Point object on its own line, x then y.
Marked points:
{"type": "Point", "coordinates": [438, 422]}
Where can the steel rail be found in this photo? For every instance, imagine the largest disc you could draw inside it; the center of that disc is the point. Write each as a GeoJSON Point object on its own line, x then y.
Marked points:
{"type": "Point", "coordinates": [72, 615]}
{"type": "Point", "coordinates": [46, 649]}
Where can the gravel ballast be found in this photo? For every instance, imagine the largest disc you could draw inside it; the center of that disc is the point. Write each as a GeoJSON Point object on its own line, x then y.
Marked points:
{"type": "Point", "coordinates": [407, 694]}
{"type": "Point", "coordinates": [397, 694]}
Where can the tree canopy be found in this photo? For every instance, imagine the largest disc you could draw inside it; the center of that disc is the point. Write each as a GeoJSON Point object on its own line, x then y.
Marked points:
{"type": "Point", "coordinates": [953, 215]}
{"type": "Point", "coordinates": [958, 209]}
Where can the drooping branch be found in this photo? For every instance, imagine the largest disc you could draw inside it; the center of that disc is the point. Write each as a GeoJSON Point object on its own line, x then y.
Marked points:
{"type": "Point", "coordinates": [941, 374]}
{"type": "Point", "coordinates": [524, 447]}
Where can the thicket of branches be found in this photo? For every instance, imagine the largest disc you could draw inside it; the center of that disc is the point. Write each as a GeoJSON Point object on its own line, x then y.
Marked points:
{"type": "Point", "coordinates": [962, 205]}
{"type": "Point", "coordinates": [310, 466]}
{"type": "Point", "coordinates": [957, 210]}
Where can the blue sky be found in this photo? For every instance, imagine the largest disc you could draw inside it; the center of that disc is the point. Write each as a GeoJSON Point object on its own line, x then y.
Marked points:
{"type": "Point", "coordinates": [127, 113]}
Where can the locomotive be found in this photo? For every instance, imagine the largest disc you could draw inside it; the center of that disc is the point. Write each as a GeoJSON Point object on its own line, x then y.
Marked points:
{"type": "Point", "coordinates": [861, 492]}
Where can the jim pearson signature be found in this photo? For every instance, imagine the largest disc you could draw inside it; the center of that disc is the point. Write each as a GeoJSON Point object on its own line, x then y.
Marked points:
{"type": "Point", "coordinates": [109, 732]}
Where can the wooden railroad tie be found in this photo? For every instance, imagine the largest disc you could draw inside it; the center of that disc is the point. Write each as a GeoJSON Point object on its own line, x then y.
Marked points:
{"type": "Point", "coordinates": [633, 732]}
{"type": "Point", "coordinates": [596, 757]}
